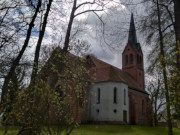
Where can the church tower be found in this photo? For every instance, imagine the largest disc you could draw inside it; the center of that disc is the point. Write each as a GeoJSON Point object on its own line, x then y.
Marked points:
{"type": "Point", "coordinates": [132, 57]}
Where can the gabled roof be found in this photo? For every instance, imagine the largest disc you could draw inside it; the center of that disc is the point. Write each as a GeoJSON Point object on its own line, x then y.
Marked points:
{"type": "Point", "coordinates": [106, 72]}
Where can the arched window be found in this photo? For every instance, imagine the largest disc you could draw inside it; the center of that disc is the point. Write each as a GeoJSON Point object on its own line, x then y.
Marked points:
{"type": "Point", "coordinates": [126, 59]}
{"type": "Point", "coordinates": [115, 95]}
{"type": "Point", "coordinates": [59, 92]}
{"type": "Point", "coordinates": [137, 59]}
{"type": "Point", "coordinates": [131, 59]}
{"type": "Point", "coordinates": [81, 97]}
{"type": "Point", "coordinates": [98, 95]}
{"type": "Point", "coordinates": [124, 96]}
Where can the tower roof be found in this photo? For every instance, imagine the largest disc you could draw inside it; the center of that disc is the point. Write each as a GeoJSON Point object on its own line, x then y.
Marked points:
{"type": "Point", "coordinates": [132, 39]}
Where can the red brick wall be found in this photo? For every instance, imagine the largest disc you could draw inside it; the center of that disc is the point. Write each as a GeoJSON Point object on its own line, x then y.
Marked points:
{"type": "Point", "coordinates": [139, 109]}
{"type": "Point", "coordinates": [134, 69]}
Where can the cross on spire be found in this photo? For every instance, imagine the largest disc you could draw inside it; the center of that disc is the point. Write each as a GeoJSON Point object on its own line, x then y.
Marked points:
{"type": "Point", "coordinates": [132, 39]}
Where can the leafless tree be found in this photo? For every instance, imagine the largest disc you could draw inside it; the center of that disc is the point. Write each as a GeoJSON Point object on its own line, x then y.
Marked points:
{"type": "Point", "coordinates": [157, 97]}
{"type": "Point", "coordinates": [15, 62]}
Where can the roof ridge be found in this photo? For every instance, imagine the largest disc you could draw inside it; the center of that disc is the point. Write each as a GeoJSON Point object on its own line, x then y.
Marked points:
{"type": "Point", "coordinates": [107, 64]}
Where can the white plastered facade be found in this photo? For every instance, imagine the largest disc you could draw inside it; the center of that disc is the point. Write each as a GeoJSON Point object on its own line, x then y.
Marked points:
{"type": "Point", "coordinates": [106, 110]}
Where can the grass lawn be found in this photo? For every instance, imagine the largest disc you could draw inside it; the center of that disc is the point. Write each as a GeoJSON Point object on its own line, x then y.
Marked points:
{"type": "Point", "coordinates": [87, 129]}
{"type": "Point", "coordinates": [121, 130]}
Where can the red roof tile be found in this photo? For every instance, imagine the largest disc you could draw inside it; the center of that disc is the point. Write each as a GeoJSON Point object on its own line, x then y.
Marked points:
{"type": "Point", "coordinates": [107, 72]}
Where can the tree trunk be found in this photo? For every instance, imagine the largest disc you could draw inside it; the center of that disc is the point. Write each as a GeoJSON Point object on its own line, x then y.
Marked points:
{"type": "Point", "coordinates": [16, 61]}
{"type": "Point", "coordinates": [68, 33]}
{"type": "Point", "coordinates": [163, 63]}
{"type": "Point", "coordinates": [38, 46]}
{"type": "Point", "coordinates": [177, 30]}
{"type": "Point", "coordinates": [155, 112]}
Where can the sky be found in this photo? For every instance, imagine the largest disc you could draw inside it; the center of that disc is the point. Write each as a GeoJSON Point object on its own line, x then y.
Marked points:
{"type": "Point", "coordinates": [108, 46]}
{"type": "Point", "coordinates": [116, 19]}
{"type": "Point", "coordinates": [117, 27]}
{"type": "Point", "coordinates": [117, 22]}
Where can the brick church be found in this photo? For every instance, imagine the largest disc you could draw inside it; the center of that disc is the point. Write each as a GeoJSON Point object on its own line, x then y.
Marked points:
{"type": "Point", "coordinates": [119, 96]}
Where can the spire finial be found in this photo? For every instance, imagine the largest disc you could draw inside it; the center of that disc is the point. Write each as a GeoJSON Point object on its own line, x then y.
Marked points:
{"type": "Point", "coordinates": [132, 39]}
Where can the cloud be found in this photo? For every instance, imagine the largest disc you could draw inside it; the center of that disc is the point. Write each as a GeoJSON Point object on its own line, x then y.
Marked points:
{"type": "Point", "coordinates": [108, 46]}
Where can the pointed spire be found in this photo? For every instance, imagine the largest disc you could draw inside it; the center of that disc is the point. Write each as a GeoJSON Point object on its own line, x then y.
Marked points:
{"type": "Point", "coordinates": [132, 39]}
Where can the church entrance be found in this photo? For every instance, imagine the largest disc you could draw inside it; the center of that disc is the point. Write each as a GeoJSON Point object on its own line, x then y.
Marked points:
{"type": "Point", "coordinates": [125, 116]}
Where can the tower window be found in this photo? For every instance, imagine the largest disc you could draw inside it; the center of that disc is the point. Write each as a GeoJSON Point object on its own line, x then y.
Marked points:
{"type": "Point", "coordinates": [126, 59]}
{"type": "Point", "coordinates": [138, 59]}
{"type": "Point", "coordinates": [115, 95]}
{"type": "Point", "coordinates": [98, 96]}
{"type": "Point", "coordinates": [124, 96]}
{"type": "Point", "coordinates": [131, 59]}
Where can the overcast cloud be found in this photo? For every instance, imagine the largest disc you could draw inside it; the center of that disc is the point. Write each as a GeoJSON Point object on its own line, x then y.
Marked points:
{"type": "Point", "coordinates": [107, 46]}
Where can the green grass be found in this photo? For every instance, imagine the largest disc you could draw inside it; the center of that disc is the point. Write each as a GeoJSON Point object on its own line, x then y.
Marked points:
{"type": "Point", "coordinates": [121, 130]}
{"type": "Point", "coordinates": [11, 130]}
{"type": "Point", "coordinates": [87, 129]}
